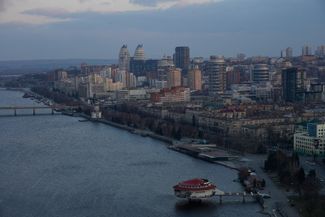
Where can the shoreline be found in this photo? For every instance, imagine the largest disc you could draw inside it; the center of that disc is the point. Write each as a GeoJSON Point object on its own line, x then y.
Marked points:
{"type": "Point", "coordinates": [169, 141]}
{"type": "Point", "coordinates": [129, 129]}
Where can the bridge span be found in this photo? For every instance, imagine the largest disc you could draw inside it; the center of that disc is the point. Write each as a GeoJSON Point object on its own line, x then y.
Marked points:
{"type": "Point", "coordinates": [35, 108]}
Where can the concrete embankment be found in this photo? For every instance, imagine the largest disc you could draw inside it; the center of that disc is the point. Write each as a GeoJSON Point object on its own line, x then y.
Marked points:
{"type": "Point", "coordinates": [130, 129]}
{"type": "Point", "coordinates": [169, 141]}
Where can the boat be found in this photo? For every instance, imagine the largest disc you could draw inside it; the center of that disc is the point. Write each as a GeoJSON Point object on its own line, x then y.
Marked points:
{"type": "Point", "coordinates": [195, 189]}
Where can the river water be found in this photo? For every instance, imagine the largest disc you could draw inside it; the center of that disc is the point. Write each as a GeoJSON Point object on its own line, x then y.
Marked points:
{"type": "Point", "coordinates": [56, 166]}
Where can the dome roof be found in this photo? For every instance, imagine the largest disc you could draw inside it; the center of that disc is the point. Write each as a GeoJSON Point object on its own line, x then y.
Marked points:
{"type": "Point", "coordinates": [124, 58]}
{"type": "Point", "coordinates": [124, 52]}
{"type": "Point", "coordinates": [139, 53]}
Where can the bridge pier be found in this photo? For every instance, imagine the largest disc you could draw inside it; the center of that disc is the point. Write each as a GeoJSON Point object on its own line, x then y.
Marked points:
{"type": "Point", "coordinates": [52, 110]}
{"type": "Point", "coordinates": [34, 111]}
{"type": "Point", "coordinates": [220, 199]}
{"type": "Point", "coordinates": [244, 199]}
{"type": "Point", "coordinates": [15, 112]}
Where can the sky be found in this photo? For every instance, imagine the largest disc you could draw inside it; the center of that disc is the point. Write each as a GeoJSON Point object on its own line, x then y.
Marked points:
{"type": "Point", "coordinates": [61, 29]}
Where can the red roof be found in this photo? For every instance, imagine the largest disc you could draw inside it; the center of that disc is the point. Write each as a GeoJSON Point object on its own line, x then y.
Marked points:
{"type": "Point", "coordinates": [194, 184]}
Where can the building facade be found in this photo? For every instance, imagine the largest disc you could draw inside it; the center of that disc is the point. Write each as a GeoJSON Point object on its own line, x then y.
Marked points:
{"type": "Point", "coordinates": [216, 70]}
{"type": "Point", "coordinates": [182, 57]}
{"type": "Point", "coordinates": [289, 52]}
{"type": "Point", "coordinates": [124, 59]}
{"type": "Point", "coordinates": [311, 142]}
{"type": "Point", "coordinates": [176, 94]}
{"type": "Point", "coordinates": [195, 79]}
{"type": "Point", "coordinates": [292, 84]}
{"type": "Point", "coordinates": [261, 73]}
{"type": "Point", "coordinates": [174, 78]}
{"type": "Point", "coordinates": [306, 51]}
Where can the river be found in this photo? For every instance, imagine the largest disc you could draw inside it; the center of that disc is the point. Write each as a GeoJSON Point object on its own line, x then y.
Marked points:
{"type": "Point", "coordinates": [56, 166]}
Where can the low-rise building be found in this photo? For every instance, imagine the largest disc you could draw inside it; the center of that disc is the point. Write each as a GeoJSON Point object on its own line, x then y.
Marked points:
{"type": "Point", "coordinates": [176, 94]}
{"type": "Point", "coordinates": [311, 141]}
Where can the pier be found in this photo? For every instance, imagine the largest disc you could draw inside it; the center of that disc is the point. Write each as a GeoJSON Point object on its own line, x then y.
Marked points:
{"type": "Point", "coordinates": [198, 189]}
{"type": "Point", "coordinates": [243, 196]}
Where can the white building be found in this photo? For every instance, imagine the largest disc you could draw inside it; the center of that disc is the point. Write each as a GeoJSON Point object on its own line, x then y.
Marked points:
{"type": "Point", "coordinates": [312, 141]}
{"type": "Point", "coordinates": [134, 94]}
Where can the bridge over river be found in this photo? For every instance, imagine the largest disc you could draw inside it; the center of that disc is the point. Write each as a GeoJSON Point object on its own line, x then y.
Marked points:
{"type": "Point", "coordinates": [34, 108]}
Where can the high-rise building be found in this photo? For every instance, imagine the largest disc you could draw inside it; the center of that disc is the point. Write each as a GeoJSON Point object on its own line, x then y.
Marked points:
{"type": "Point", "coordinates": [137, 62]}
{"type": "Point", "coordinates": [137, 67]}
{"type": "Point", "coordinates": [321, 51]}
{"type": "Point", "coordinates": [306, 51]}
{"type": "Point", "coordinates": [292, 84]}
{"type": "Point", "coordinates": [289, 52]}
{"type": "Point", "coordinates": [131, 80]}
{"type": "Point", "coordinates": [139, 53]}
{"type": "Point", "coordinates": [216, 69]}
{"type": "Point", "coordinates": [233, 77]}
{"type": "Point", "coordinates": [182, 57]}
{"type": "Point", "coordinates": [122, 77]}
{"type": "Point", "coordinates": [124, 58]}
{"type": "Point", "coordinates": [261, 73]}
{"type": "Point", "coordinates": [174, 78]}
{"type": "Point", "coordinates": [195, 79]}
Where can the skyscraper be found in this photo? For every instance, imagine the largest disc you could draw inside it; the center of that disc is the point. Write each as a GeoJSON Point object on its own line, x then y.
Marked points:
{"type": "Point", "coordinates": [289, 52]}
{"type": "Point", "coordinates": [174, 78]}
{"type": "Point", "coordinates": [139, 53]}
{"type": "Point", "coordinates": [260, 73]}
{"type": "Point", "coordinates": [182, 57]}
{"type": "Point", "coordinates": [216, 69]}
{"type": "Point", "coordinates": [195, 79]}
{"type": "Point", "coordinates": [292, 84]}
{"type": "Point", "coordinates": [137, 62]}
{"type": "Point", "coordinates": [306, 50]}
{"type": "Point", "coordinates": [124, 58]}
{"type": "Point", "coordinates": [320, 51]}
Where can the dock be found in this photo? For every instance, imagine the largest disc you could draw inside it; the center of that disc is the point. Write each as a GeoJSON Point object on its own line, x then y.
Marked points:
{"type": "Point", "coordinates": [207, 152]}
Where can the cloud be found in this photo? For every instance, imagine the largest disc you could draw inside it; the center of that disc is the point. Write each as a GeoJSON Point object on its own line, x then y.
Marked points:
{"type": "Point", "coordinates": [43, 12]}
{"type": "Point", "coordinates": [49, 12]}
{"type": "Point", "coordinates": [150, 3]}
{"type": "Point", "coordinates": [2, 5]}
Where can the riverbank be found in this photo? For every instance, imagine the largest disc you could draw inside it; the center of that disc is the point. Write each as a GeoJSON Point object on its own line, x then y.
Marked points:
{"type": "Point", "coordinates": [171, 142]}
{"type": "Point", "coordinates": [143, 133]}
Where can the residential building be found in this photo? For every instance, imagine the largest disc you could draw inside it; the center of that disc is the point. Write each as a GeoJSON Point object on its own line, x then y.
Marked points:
{"type": "Point", "coordinates": [289, 52]}
{"type": "Point", "coordinates": [175, 94]}
{"type": "Point", "coordinates": [124, 59]}
{"type": "Point", "coordinates": [306, 51]}
{"type": "Point", "coordinates": [216, 70]}
{"type": "Point", "coordinates": [195, 79]}
{"type": "Point", "coordinates": [261, 73]}
{"type": "Point", "coordinates": [174, 78]}
{"type": "Point", "coordinates": [312, 141]}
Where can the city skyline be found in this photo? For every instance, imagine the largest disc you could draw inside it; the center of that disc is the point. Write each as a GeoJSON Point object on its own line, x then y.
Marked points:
{"type": "Point", "coordinates": [91, 29]}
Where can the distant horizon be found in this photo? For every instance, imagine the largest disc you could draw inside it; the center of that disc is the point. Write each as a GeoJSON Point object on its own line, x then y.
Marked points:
{"type": "Point", "coordinates": [148, 57]}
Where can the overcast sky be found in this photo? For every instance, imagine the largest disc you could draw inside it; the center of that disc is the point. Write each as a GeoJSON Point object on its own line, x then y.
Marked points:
{"type": "Point", "coordinates": [47, 29]}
